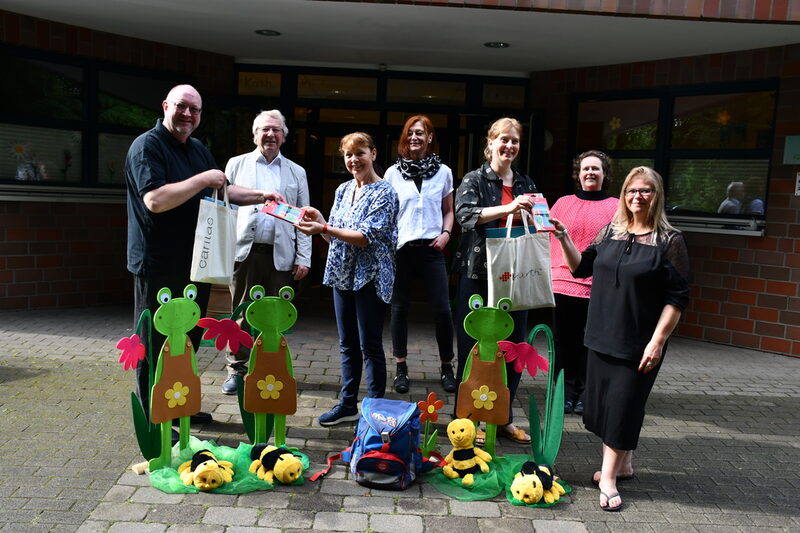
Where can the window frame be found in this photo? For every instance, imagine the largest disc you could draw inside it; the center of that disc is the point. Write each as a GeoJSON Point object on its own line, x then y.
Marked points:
{"type": "Point", "coordinates": [88, 188]}
{"type": "Point", "coordinates": [663, 154]}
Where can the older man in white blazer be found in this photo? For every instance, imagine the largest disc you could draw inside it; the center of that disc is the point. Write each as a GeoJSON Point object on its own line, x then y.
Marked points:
{"type": "Point", "coordinates": [269, 252]}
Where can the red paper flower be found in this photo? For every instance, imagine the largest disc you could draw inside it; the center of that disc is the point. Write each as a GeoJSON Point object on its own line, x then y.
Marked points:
{"type": "Point", "coordinates": [227, 332]}
{"type": "Point", "coordinates": [429, 409]}
{"type": "Point", "coordinates": [723, 117]}
{"type": "Point", "coordinates": [524, 356]}
{"type": "Point", "coordinates": [132, 351]}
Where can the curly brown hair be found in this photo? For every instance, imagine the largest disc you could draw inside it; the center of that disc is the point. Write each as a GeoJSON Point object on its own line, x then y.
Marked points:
{"type": "Point", "coordinates": [604, 160]}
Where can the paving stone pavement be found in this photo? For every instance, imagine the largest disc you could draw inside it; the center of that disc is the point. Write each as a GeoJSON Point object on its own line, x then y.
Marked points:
{"type": "Point", "coordinates": [719, 450]}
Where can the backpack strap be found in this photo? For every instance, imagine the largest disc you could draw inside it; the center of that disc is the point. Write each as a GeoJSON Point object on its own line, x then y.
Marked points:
{"type": "Point", "coordinates": [326, 471]}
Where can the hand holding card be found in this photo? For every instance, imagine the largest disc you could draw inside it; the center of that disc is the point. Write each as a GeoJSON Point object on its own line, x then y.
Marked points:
{"type": "Point", "coordinates": [541, 213]}
{"type": "Point", "coordinates": [283, 211]}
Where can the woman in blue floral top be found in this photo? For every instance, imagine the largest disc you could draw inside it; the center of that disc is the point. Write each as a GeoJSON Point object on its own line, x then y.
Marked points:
{"type": "Point", "coordinates": [362, 232]}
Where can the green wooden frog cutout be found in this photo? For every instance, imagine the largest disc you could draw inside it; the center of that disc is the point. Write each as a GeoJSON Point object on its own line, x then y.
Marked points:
{"type": "Point", "coordinates": [270, 390]}
{"type": "Point", "coordinates": [484, 395]}
{"type": "Point", "coordinates": [176, 386]}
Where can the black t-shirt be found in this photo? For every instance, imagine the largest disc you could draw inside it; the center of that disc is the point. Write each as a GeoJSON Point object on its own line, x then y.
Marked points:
{"type": "Point", "coordinates": [158, 241]}
{"type": "Point", "coordinates": [635, 276]}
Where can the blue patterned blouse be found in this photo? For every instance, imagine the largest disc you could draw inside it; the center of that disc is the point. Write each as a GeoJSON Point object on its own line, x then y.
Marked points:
{"type": "Point", "coordinates": [374, 214]}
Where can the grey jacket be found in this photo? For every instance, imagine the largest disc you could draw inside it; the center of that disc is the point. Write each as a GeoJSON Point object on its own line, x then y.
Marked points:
{"type": "Point", "coordinates": [292, 247]}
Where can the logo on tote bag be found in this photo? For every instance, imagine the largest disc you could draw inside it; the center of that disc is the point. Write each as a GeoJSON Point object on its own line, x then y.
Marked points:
{"type": "Point", "coordinates": [521, 275]}
{"type": "Point", "coordinates": [206, 243]}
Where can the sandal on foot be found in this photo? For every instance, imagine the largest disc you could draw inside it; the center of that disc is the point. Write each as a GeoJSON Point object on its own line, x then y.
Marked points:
{"type": "Point", "coordinates": [518, 435]}
{"type": "Point", "coordinates": [596, 478]}
{"type": "Point", "coordinates": [480, 437]}
{"type": "Point", "coordinates": [608, 507]}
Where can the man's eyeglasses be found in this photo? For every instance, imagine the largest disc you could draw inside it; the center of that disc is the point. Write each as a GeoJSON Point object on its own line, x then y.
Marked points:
{"type": "Point", "coordinates": [180, 106]}
{"type": "Point", "coordinates": [268, 129]}
{"type": "Point", "coordinates": [644, 192]}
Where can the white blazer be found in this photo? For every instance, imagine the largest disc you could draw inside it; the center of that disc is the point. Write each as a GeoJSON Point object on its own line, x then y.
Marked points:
{"type": "Point", "coordinates": [292, 247]}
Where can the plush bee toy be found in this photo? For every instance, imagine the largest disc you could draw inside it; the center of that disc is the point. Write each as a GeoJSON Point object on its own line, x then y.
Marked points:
{"type": "Point", "coordinates": [464, 459]}
{"type": "Point", "coordinates": [534, 482]}
{"type": "Point", "coordinates": [205, 472]}
{"type": "Point", "coordinates": [270, 463]}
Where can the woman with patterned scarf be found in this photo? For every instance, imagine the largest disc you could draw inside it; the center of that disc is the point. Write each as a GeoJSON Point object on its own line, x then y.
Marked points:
{"type": "Point", "coordinates": [425, 189]}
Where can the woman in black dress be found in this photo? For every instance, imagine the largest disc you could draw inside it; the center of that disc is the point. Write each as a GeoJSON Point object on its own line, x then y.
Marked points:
{"type": "Point", "coordinates": [640, 267]}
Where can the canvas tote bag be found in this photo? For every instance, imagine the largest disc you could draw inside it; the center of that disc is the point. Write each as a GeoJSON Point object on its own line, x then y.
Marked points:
{"type": "Point", "coordinates": [214, 240]}
{"type": "Point", "coordinates": [519, 266]}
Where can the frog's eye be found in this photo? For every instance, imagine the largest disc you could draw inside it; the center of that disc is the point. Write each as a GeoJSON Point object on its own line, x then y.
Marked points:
{"type": "Point", "coordinates": [164, 295]}
{"type": "Point", "coordinates": [190, 292]}
{"type": "Point", "coordinates": [287, 293]}
{"type": "Point", "coordinates": [257, 292]}
{"type": "Point", "coordinates": [504, 304]}
{"type": "Point", "coordinates": [475, 302]}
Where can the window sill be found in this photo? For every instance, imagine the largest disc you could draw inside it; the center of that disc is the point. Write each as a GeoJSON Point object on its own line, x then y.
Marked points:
{"type": "Point", "coordinates": [752, 227]}
{"type": "Point", "coordinates": [46, 193]}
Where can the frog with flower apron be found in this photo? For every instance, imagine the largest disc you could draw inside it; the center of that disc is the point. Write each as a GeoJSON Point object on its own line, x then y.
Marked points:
{"type": "Point", "coordinates": [176, 388]}
{"type": "Point", "coordinates": [269, 386]}
{"type": "Point", "coordinates": [483, 394]}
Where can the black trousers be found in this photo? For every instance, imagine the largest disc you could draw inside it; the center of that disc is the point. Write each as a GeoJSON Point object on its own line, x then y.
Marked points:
{"type": "Point", "coordinates": [145, 291]}
{"type": "Point", "coordinates": [570, 322]}
{"type": "Point", "coordinates": [426, 264]}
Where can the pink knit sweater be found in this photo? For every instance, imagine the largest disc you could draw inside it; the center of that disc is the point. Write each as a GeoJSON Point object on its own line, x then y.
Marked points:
{"type": "Point", "coordinates": [583, 219]}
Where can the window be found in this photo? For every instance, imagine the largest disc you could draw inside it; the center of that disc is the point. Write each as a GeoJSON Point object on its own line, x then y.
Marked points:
{"type": "Point", "coordinates": [711, 144]}
{"type": "Point", "coordinates": [504, 96]}
{"type": "Point", "coordinates": [259, 84]}
{"type": "Point", "coordinates": [618, 125]}
{"type": "Point", "coordinates": [426, 92]}
{"type": "Point", "coordinates": [336, 87]}
{"type": "Point", "coordinates": [40, 154]}
{"type": "Point", "coordinates": [67, 122]}
{"type": "Point", "coordinates": [41, 89]}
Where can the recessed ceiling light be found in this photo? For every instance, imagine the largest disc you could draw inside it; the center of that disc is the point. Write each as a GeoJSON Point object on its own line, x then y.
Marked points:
{"type": "Point", "coordinates": [268, 33]}
{"type": "Point", "coordinates": [496, 44]}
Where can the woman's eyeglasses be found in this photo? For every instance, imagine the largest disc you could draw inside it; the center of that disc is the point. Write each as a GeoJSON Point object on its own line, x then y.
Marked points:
{"type": "Point", "coordinates": [645, 193]}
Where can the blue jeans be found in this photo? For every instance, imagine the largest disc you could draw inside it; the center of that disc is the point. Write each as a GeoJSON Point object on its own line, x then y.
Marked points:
{"type": "Point", "coordinates": [466, 288]}
{"type": "Point", "coordinates": [359, 319]}
{"type": "Point", "coordinates": [426, 264]}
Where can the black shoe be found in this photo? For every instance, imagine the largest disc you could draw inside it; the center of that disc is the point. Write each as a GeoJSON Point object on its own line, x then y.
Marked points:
{"type": "Point", "coordinates": [229, 387]}
{"type": "Point", "coordinates": [569, 406]}
{"type": "Point", "coordinates": [198, 418]}
{"type": "Point", "coordinates": [176, 437]}
{"type": "Point", "coordinates": [401, 383]}
{"type": "Point", "coordinates": [579, 408]}
{"type": "Point", "coordinates": [448, 380]}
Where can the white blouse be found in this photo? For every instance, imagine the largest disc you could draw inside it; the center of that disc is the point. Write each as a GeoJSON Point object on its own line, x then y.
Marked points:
{"type": "Point", "coordinates": [420, 215]}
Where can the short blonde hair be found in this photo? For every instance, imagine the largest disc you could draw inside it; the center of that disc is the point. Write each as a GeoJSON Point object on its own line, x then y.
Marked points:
{"type": "Point", "coordinates": [497, 128]}
{"type": "Point", "coordinates": [357, 138]}
{"type": "Point", "coordinates": [656, 216]}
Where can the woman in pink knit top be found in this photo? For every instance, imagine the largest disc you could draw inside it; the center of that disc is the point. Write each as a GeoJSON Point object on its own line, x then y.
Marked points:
{"type": "Point", "coordinates": [584, 213]}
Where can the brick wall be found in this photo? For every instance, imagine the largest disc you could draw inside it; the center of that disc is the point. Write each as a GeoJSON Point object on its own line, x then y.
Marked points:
{"type": "Point", "coordinates": [60, 254]}
{"type": "Point", "coordinates": [744, 289]}
{"type": "Point", "coordinates": [718, 10]}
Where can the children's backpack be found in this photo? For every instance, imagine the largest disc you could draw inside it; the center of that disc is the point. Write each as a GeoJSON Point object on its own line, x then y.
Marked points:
{"type": "Point", "coordinates": [385, 453]}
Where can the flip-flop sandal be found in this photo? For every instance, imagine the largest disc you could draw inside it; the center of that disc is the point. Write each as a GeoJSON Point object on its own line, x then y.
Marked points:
{"type": "Point", "coordinates": [517, 436]}
{"type": "Point", "coordinates": [480, 437]}
{"type": "Point", "coordinates": [596, 482]}
{"type": "Point", "coordinates": [607, 507]}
